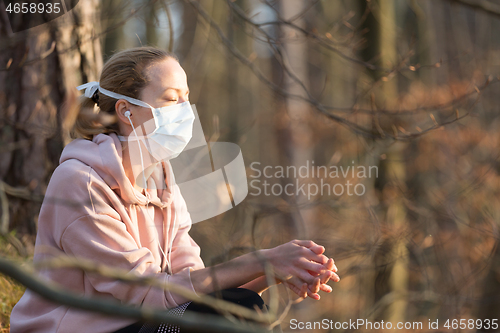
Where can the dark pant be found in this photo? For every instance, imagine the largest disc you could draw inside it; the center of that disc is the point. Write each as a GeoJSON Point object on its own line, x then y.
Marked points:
{"type": "Point", "coordinates": [240, 296]}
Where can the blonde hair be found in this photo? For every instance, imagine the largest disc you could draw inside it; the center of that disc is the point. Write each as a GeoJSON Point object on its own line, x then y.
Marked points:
{"type": "Point", "coordinates": [124, 73]}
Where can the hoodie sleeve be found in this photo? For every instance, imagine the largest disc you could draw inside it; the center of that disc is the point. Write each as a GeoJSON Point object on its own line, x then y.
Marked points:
{"type": "Point", "coordinates": [185, 252]}
{"type": "Point", "coordinates": [103, 239]}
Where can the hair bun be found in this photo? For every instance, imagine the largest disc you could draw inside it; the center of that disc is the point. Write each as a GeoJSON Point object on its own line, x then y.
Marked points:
{"type": "Point", "coordinates": [95, 97]}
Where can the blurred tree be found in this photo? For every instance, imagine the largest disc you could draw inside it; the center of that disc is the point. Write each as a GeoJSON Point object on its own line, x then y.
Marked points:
{"type": "Point", "coordinates": [296, 145]}
{"type": "Point", "coordinates": [184, 45]}
{"type": "Point", "coordinates": [151, 22]}
{"type": "Point", "coordinates": [112, 21]}
{"type": "Point", "coordinates": [394, 259]}
{"type": "Point", "coordinates": [40, 69]}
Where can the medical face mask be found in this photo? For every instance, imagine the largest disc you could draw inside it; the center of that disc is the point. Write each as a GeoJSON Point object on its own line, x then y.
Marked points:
{"type": "Point", "coordinates": [173, 125]}
{"type": "Point", "coordinates": [173, 128]}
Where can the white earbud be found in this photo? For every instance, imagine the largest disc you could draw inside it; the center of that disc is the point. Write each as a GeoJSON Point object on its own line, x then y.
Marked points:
{"type": "Point", "coordinates": [127, 114]}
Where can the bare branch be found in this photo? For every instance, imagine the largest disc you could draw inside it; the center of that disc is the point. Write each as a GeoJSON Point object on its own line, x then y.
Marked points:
{"type": "Point", "coordinates": [63, 261]}
{"type": "Point", "coordinates": [190, 322]}
{"type": "Point", "coordinates": [4, 223]}
{"type": "Point", "coordinates": [367, 132]}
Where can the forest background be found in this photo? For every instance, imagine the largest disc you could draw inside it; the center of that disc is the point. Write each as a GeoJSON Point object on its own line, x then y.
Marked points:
{"type": "Point", "coordinates": [407, 87]}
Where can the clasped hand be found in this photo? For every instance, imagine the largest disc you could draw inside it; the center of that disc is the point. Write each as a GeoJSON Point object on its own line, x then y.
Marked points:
{"type": "Point", "coordinates": [302, 267]}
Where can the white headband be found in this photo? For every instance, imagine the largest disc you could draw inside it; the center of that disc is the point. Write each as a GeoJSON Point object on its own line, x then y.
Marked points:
{"type": "Point", "coordinates": [92, 87]}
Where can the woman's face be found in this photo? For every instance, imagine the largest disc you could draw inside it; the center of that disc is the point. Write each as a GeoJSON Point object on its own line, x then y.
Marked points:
{"type": "Point", "coordinates": [168, 86]}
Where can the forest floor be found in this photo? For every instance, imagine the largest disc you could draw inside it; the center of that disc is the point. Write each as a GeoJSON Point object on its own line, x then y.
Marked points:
{"type": "Point", "coordinates": [10, 290]}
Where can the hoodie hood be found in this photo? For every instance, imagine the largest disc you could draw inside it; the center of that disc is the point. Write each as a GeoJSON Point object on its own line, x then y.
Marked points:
{"type": "Point", "coordinates": [104, 155]}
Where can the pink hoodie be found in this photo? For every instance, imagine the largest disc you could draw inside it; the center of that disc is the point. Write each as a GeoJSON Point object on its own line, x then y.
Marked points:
{"type": "Point", "coordinates": [91, 210]}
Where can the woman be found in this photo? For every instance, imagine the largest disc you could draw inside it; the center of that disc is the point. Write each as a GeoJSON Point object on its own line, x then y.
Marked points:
{"type": "Point", "coordinates": [96, 209]}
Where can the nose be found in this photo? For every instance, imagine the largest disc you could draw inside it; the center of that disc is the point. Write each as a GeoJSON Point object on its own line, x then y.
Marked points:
{"type": "Point", "coordinates": [183, 96]}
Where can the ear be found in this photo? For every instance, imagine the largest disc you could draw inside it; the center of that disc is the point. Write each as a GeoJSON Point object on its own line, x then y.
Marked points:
{"type": "Point", "coordinates": [121, 107]}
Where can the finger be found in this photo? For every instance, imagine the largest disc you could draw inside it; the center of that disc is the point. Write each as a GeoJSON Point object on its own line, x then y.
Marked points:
{"type": "Point", "coordinates": [294, 289]}
{"type": "Point", "coordinates": [298, 282]}
{"type": "Point", "coordinates": [312, 295]}
{"type": "Point", "coordinates": [313, 273]}
{"type": "Point", "coordinates": [305, 243]}
{"type": "Point", "coordinates": [329, 275]}
{"type": "Point", "coordinates": [296, 285]}
{"type": "Point", "coordinates": [314, 288]}
{"type": "Point", "coordinates": [303, 275]}
{"type": "Point", "coordinates": [312, 266]}
{"type": "Point", "coordinates": [303, 290]}
{"type": "Point", "coordinates": [318, 249]}
{"type": "Point", "coordinates": [330, 265]}
{"type": "Point", "coordinates": [319, 258]}
{"type": "Point", "coordinates": [326, 288]}
{"type": "Point", "coordinates": [326, 276]}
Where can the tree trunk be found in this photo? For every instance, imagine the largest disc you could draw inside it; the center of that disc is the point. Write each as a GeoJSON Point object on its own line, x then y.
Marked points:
{"type": "Point", "coordinates": [393, 268]}
{"type": "Point", "coordinates": [112, 16]}
{"type": "Point", "coordinates": [42, 67]}
{"type": "Point", "coordinates": [295, 141]}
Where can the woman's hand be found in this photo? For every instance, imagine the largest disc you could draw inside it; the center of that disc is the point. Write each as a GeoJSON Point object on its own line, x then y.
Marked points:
{"type": "Point", "coordinates": [302, 262]}
{"type": "Point", "coordinates": [319, 282]}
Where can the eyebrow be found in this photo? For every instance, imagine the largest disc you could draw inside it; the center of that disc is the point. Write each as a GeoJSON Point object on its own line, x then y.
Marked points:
{"type": "Point", "coordinates": [177, 89]}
